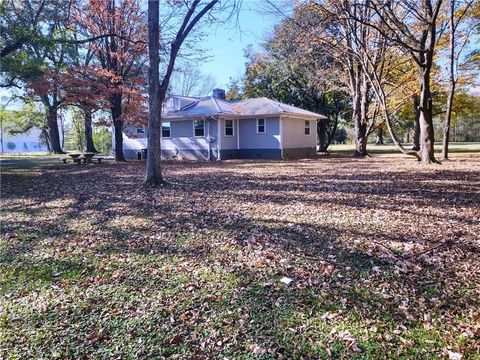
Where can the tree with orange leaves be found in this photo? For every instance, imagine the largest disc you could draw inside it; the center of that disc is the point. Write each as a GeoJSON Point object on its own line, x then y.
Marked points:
{"type": "Point", "coordinates": [120, 55]}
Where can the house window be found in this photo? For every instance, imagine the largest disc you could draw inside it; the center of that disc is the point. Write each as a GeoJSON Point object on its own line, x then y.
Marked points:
{"type": "Point", "coordinates": [166, 130]}
{"type": "Point", "coordinates": [140, 130]}
{"type": "Point", "coordinates": [229, 128]}
{"type": "Point", "coordinates": [199, 128]}
{"type": "Point", "coordinates": [261, 126]}
{"type": "Point", "coordinates": [307, 127]}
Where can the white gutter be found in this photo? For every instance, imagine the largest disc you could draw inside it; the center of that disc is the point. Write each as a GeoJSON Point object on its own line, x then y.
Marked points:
{"type": "Point", "coordinates": [219, 142]}
{"type": "Point", "coordinates": [280, 119]}
{"type": "Point", "coordinates": [207, 125]}
{"type": "Point", "coordinates": [238, 133]}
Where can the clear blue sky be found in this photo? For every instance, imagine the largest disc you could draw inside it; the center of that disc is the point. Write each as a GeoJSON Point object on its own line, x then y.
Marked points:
{"type": "Point", "coordinates": [226, 43]}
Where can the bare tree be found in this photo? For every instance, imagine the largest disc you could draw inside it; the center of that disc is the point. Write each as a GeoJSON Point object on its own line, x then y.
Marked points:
{"type": "Point", "coordinates": [412, 26]}
{"type": "Point", "coordinates": [454, 54]}
{"type": "Point", "coordinates": [325, 30]}
{"type": "Point", "coordinates": [191, 82]}
{"type": "Point", "coordinates": [157, 91]}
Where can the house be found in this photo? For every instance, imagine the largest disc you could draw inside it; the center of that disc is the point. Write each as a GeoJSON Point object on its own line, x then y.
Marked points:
{"type": "Point", "coordinates": [212, 128]}
{"type": "Point", "coordinates": [31, 141]}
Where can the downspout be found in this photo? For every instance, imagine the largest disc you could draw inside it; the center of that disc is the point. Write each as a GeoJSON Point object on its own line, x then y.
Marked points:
{"type": "Point", "coordinates": [1, 131]}
{"type": "Point", "coordinates": [219, 143]}
{"type": "Point", "coordinates": [280, 119]}
{"type": "Point", "coordinates": [209, 140]}
{"type": "Point", "coordinates": [238, 134]}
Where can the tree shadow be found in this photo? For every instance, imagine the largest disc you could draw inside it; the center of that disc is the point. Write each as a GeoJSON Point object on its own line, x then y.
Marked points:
{"type": "Point", "coordinates": [209, 220]}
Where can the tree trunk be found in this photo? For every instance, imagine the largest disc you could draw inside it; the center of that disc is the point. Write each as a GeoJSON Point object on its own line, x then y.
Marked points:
{"type": "Point", "coordinates": [361, 140]}
{"type": "Point", "coordinates": [47, 139]}
{"type": "Point", "coordinates": [52, 121]}
{"type": "Point", "coordinates": [321, 133]}
{"type": "Point", "coordinates": [427, 137]}
{"type": "Point", "coordinates": [448, 120]}
{"type": "Point", "coordinates": [157, 92]}
{"type": "Point", "coordinates": [448, 117]}
{"type": "Point", "coordinates": [360, 129]}
{"type": "Point", "coordinates": [416, 123]}
{"type": "Point", "coordinates": [87, 117]}
{"type": "Point", "coordinates": [379, 138]}
{"type": "Point", "coordinates": [361, 118]}
{"type": "Point", "coordinates": [154, 165]}
{"type": "Point", "coordinates": [116, 110]}
{"type": "Point", "coordinates": [332, 131]}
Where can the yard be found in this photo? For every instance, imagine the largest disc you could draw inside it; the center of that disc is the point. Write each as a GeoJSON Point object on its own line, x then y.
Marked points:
{"type": "Point", "coordinates": [328, 257]}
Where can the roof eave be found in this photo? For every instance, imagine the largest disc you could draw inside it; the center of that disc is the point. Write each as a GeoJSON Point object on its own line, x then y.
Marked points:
{"type": "Point", "coordinates": [248, 116]}
{"type": "Point", "coordinates": [304, 116]}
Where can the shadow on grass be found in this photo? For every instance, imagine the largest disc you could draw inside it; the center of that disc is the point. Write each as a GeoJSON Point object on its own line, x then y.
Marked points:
{"type": "Point", "coordinates": [108, 214]}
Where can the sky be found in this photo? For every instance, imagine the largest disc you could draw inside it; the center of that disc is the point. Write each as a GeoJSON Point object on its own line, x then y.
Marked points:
{"type": "Point", "coordinates": [226, 43]}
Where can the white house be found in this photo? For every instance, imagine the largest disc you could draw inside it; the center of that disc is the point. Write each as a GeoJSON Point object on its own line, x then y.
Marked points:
{"type": "Point", "coordinates": [28, 142]}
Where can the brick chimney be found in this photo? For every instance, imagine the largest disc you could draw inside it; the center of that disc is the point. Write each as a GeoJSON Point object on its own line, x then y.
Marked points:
{"type": "Point", "coordinates": [219, 94]}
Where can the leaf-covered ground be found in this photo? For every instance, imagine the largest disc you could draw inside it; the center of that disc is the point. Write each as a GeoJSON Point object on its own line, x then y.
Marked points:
{"type": "Point", "coordinates": [383, 257]}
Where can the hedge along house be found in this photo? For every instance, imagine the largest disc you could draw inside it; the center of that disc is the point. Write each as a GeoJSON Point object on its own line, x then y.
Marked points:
{"type": "Point", "coordinates": [212, 128]}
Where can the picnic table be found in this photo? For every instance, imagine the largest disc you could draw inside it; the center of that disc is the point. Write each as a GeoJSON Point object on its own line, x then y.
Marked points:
{"type": "Point", "coordinates": [85, 158]}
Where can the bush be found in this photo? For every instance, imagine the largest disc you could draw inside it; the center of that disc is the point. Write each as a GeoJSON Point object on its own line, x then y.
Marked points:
{"type": "Point", "coordinates": [102, 138]}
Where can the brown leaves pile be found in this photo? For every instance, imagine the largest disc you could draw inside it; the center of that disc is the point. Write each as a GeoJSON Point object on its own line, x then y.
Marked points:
{"type": "Point", "coordinates": [327, 257]}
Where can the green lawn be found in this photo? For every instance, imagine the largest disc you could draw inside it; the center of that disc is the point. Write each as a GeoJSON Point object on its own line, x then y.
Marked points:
{"type": "Point", "coordinates": [382, 253]}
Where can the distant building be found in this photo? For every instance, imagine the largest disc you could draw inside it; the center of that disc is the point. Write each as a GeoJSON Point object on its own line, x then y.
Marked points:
{"type": "Point", "coordinates": [212, 128]}
{"type": "Point", "coordinates": [30, 141]}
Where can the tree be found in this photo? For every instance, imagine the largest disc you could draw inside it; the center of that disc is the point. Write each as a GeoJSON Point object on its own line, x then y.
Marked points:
{"type": "Point", "coordinates": [413, 27]}
{"type": "Point", "coordinates": [189, 81]}
{"type": "Point", "coordinates": [323, 30]}
{"type": "Point", "coordinates": [37, 45]}
{"type": "Point", "coordinates": [34, 36]}
{"type": "Point", "coordinates": [290, 72]}
{"type": "Point", "coordinates": [277, 73]}
{"type": "Point", "coordinates": [120, 52]}
{"type": "Point", "coordinates": [14, 122]}
{"type": "Point", "coordinates": [75, 135]}
{"type": "Point", "coordinates": [234, 92]}
{"type": "Point", "coordinates": [192, 13]}
{"type": "Point", "coordinates": [455, 19]}
{"type": "Point", "coordinates": [102, 138]}
{"type": "Point", "coordinates": [20, 24]}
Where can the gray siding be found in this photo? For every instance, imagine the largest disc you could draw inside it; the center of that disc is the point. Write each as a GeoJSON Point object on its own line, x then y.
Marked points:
{"type": "Point", "coordinates": [182, 137]}
{"type": "Point", "coordinates": [181, 145]}
{"type": "Point", "coordinates": [293, 133]}
{"type": "Point", "coordinates": [229, 142]}
{"type": "Point", "coordinates": [249, 139]}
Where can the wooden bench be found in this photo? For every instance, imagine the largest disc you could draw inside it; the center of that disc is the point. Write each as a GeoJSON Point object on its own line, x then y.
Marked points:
{"type": "Point", "coordinates": [74, 160]}
{"type": "Point", "coordinates": [79, 160]}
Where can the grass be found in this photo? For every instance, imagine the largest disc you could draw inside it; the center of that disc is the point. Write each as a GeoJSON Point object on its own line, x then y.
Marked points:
{"type": "Point", "coordinates": [382, 253]}
{"type": "Point", "coordinates": [388, 149]}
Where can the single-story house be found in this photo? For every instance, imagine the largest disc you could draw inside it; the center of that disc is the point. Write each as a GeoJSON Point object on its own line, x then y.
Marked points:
{"type": "Point", "coordinates": [212, 128]}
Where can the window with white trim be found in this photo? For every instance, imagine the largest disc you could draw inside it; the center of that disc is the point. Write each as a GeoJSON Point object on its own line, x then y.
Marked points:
{"type": "Point", "coordinates": [199, 128]}
{"type": "Point", "coordinates": [229, 128]}
{"type": "Point", "coordinates": [261, 126]}
{"type": "Point", "coordinates": [166, 130]}
{"type": "Point", "coordinates": [307, 127]}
